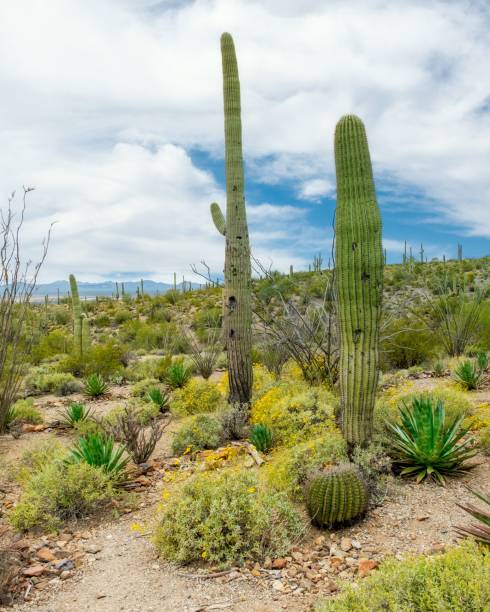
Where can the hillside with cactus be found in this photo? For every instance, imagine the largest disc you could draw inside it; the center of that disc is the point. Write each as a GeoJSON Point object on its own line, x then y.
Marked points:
{"type": "Point", "coordinates": [316, 440]}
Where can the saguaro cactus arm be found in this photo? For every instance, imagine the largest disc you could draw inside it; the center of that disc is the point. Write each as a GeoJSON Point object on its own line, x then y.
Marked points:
{"type": "Point", "coordinates": [218, 218]}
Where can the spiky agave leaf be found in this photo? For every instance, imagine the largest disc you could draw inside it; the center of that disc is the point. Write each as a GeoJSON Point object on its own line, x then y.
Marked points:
{"type": "Point", "coordinates": [425, 447]}
{"type": "Point", "coordinates": [481, 530]}
{"type": "Point", "coordinates": [98, 450]}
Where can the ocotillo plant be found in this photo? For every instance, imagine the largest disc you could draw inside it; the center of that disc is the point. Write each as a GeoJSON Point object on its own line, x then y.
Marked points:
{"type": "Point", "coordinates": [237, 305]}
{"type": "Point", "coordinates": [77, 316]}
{"type": "Point", "coordinates": [359, 279]}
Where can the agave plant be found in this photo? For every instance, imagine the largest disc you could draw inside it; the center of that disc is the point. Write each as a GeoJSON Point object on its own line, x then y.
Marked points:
{"type": "Point", "coordinates": [469, 375]}
{"type": "Point", "coordinates": [98, 450]}
{"type": "Point", "coordinates": [76, 413]}
{"type": "Point", "coordinates": [178, 373]}
{"type": "Point", "coordinates": [95, 386]}
{"type": "Point", "coordinates": [481, 530]}
{"type": "Point", "coordinates": [158, 397]}
{"type": "Point", "coordinates": [423, 446]}
{"type": "Point", "coordinates": [261, 437]}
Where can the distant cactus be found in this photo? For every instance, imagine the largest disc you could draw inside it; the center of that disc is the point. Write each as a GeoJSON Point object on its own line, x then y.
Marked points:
{"type": "Point", "coordinates": [359, 279]}
{"type": "Point", "coordinates": [237, 315]}
{"type": "Point", "coordinates": [336, 496]}
{"type": "Point", "coordinates": [81, 330]}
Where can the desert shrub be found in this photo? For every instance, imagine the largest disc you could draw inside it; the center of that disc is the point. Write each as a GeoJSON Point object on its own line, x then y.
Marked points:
{"type": "Point", "coordinates": [295, 411]}
{"type": "Point", "coordinates": [406, 342]}
{"type": "Point", "coordinates": [469, 375]}
{"type": "Point", "coordinates": [142, 368]}
{"type": "Point", "coordinates": [56, 492]}
{"type": "Point", "coordinates": [202, 431]}
{"type": "Point", "coordinates": [43, 380]}
{"type": "Point", "coordinates": [54, 343]}
{"type": "Point", "coordinates": [226, 518]}
{"type": "Point", "coordinates": [122, 315]}
{"type": "Point", "coordinates": [456, 402]}
{"type": "Point", "coordinates": [263, 380]}
{"type": "Point", "coordinates": [102, 320]}
{"type": "Point", "coordinates": [485, 440]}
{"type": "Point", "coordinates": [141, 388]}
{"type": "Point", "coordinates": [104, 359]}
{"type": "Point", "coordinates": [197, 396]}
{"type": "Point", "coordinates": [375, 467]}
{"type": "Point", "coordinates": [261, 437]}
{"type": "Point", "coordinates": [61, 315]}
{"type": "Point", "coordinates": [23, 411]}
{"type": "Point", "coordinates": [159, 398]}
{"type": "Point", "coordinates": [288, 469]}
{"type": "Point", "coordinates": [456, 580]}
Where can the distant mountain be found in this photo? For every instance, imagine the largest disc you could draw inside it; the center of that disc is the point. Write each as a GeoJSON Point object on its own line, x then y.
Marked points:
{"type": "Point", "coordinates": [107, 288]}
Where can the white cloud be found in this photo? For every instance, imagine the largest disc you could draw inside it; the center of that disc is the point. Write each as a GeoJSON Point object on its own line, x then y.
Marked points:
{"type": "Point", "coordinates": [102, 99]}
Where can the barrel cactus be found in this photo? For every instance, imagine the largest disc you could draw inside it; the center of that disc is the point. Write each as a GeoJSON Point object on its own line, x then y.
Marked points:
{"type": "Point", "coordinates": [336, 496]}
{"type": "Point", "coordinates": [237, 304]}
{"type": "Point", "coordinates": [359, 279]}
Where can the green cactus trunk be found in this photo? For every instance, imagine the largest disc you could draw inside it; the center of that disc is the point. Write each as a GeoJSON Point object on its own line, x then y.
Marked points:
{"type": "Point", "coordinates": [237, 304]}
{"type": "Point", "coordinates": [81, 331]}
{"type": "Point", "coordinates": [359, 279]}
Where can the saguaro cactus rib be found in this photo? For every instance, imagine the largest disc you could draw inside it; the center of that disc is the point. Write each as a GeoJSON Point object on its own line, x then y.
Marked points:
{"type": "Point", "coordinates": [237, 307]}
{"type": "Point", "coordinates": [359, 278]}
{"type": "Point", "coordinates": [77, 316]}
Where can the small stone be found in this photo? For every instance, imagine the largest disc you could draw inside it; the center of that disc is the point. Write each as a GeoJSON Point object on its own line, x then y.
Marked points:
{"type": "Point", "coordinates": [268, 563]}
{"type": "Point", "coordinates": [277, 585]}
{"type": "Point", "coordinates": [92, 549]}
{"type": "Point", "coordinates": [356, 544]}
{"type": "Point", "coordinates": [423, 517]}
{"type": "Point", "coordinates": [320, 541]}
{"type": "Point", "coordinates": [65, 574]}
{"type": "Point", "coordinates": [297, 556]}
{"type": "Point", "coordinates": [279, 563]}
{"type": "Point", "coordinates": [346, 544]}
{"type": "Point", "coordinates": [33, 570]}
{"type": "Point", "coordinates": [45, 554]}
{"type": "Point", "coordinates": [336, 562]}
{"type": "Point", "coordinates": [366, 566]}
{"type": "Point", "coordinates": [437, 548]}
{"type": "Point", "coordinates": [101, 595]}
{"type": "Point", "coordinates": [255, 573]}
{"type": "Point", "coordinates": [64, 564]}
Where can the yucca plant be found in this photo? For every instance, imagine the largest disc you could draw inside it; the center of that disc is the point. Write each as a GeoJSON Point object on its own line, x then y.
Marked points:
{"type": "Point", "coordinates": [423, 446]}
{"type": "Point", "coordinates": [178, 373]}
{"type": "Point", "coordinates": [98, 450]}
{"type": "Point", "coordinates": [159, 398]}
{"type": "Point", "coordinates": [481, 530]}
{"type": "Point", "coordinates": [95, 386]}
{"type": "Point", "coordinates": [75, 413]}
{"type": "Point", "coordinates": [261, 437]}
{"type": "Point", "coordinates": [439, 369]}
{"type": "Point", "coordinates": [469, 375]}
{"type": "Point", "coordinates": [482, 362]}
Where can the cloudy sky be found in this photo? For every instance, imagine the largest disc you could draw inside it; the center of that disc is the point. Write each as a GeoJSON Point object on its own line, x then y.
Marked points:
{"type": "Point", "coordinates": [112, 109]}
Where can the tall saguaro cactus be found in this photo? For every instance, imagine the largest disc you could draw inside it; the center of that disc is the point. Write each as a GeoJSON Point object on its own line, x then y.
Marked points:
{"type": "Point", "coordinates": [81, 331]}
{"type": "Point", "coordinates": [359, 278]}
{"type": "Point", "coordinates": [237, 315]}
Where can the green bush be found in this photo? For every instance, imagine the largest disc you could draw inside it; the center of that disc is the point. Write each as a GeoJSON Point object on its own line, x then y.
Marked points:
{"type": "Point", "coordinates": [23, 411]}
{"type": "Point", "coordinates": [485, 440]}
{"type": "Point", "coordinates": [288, 469]}
{"type": "Point", "coordinates": [454, 581]}
{"type": "Point", "coordinates": [226, 518]}
{"type": "Point", "coordinates": [99, 451]}
{"type": "Point", "coordinates": [141, 388]}
{"type": "Point", "coordinates": [43, 380]}
{"type": "Point", "coordinates": [56, 492]}
{"type": "Point", "coordinates": [407, 342]}
{"type": "Point", "coordinates": [95, 386]}
{"type": "Point", "coordinates": [102, 320]}
{"type": "Point", "coordinates": [200, 432]}
{"type": "Point", "coordinates": [197, 396]}
{"type": "Point", "coordinates": [104, 359]}
{"type": "Point", "coordinates": [56, 342]}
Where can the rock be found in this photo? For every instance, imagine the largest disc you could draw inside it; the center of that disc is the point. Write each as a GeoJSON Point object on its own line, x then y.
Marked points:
{"type": "Point", "coordinates": [267, 563]}
{"type": "Point", "coordinates": [65, 574]}
{"type": "Point", "coordinates": [336, 562]}
{"type": "Point", "coordinates": [101, 595]}
{"type": "Point", "coordinates": [297, 556]}
{"type": "Point", "coordinates": [437, 548]}
{"type": "Point", "coordinates": [277, 585]}
{"type": "Point", "coordinates": [45, 554]}
{"type": "Point", "coordinates": [255, 573]}
{"type": "Point", "coordinates": [345, 544]}
{"type": "Point", "coordinates": [366, 566]}
{"type": "Point", "coordinates": [64, 564]}
{"type": "Point", "coordinates": [279, 563]}
{"type": "Point", "coordinates": [356, 544]}
{"type": "Point", "coordinates": [33, 570]}
{"type": "Point", "coordinates": [423, 517]}
{"type": "Point", "coordinates": [92, 549]}
{"type": "Point", "coordinates": [320, 541]}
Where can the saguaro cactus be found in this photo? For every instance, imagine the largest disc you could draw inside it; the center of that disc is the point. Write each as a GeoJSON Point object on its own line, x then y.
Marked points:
{"type": "Point", "coordinates": [359, 279]}
{"type": "Point", "coordinates": [81, 330]}
{"type": "Point", "coordinates": [237, 315]}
